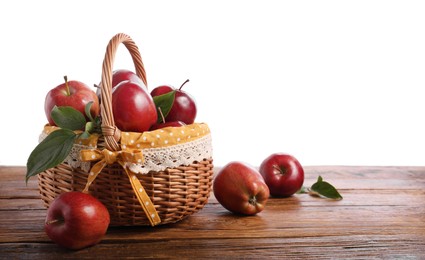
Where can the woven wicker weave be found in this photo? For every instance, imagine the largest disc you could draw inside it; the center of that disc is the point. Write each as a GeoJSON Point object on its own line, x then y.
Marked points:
{"type": "Point", "coordinates": [175, 192]}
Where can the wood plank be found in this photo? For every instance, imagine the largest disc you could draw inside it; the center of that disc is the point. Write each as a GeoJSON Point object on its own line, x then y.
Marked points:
{"type": "Point", "coordinates": [339, 247]}
{"type": "Point", "coordinates": [342, 177]}
{"type": "Point", "coordinates": [382, 215]}
{"type": "Point", "coordinates": [323, 217]}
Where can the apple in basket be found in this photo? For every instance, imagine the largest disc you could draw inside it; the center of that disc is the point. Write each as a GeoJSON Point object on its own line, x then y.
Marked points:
{"type": "Point", "coordinates": [167, 124]}
{"type": "Point", "coordinates": [72, 93]}
{"type": "Point", "coordinates": [184, 106]}
{"type": "Point", "coordinates": [133, 107]}
{"type": "Point", "coordinates": [283, 174]}
{"type": "Point", "coordinates": [76, 220]}
{"type": "Point", "coordinates": [121, 75]}
{"type": "Point", "coordinates": [240, 188]}
{"type": "Point", "coordinates": [163, 123]}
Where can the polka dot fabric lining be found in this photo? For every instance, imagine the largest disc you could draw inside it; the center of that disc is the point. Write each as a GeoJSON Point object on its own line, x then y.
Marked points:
{"type": "Point", "coordinates": [163, 148]}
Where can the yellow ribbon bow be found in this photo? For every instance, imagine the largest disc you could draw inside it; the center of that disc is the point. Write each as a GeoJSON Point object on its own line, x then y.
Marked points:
{"type": "Point", "coordinates": [106, 157]}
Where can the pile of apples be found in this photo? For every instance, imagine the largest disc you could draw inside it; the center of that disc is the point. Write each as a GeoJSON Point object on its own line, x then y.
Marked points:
{"type": "Point", "coordinates": [76, 220]}
{"type": "Point", "coordinates": [133, 107]}
{"type": "Point", "coordinates": [245, 190]}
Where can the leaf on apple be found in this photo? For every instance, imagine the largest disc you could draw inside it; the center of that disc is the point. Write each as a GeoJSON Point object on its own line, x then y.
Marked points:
{"type": "Point", "coordinates": [324, 189]}
{"type": "Point", "coordinates": [67, 117]}
{"type": "Point", "coordinates": [165, 102]}
{"type": "Point", "coordinates": [50, 152]}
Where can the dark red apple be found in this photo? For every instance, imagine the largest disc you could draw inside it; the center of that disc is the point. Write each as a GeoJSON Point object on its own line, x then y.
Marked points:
{"type": "Point", "coordinates": [283, 174]}
{"type": "Point", "coordinates": [240, 188]}
{"type": "Point", "coordinates": [121, 75]}
{"type": "Point", "coordinates": [167, 124]}
{"type": "Point", "coordinates": [76, 220]}
{"type": "Point", "coordinates": [74, 94]}
{"type": "Point", "coordinates": [133, 107]}
{"type": "Point", "coordinates": [164, 124]}
{"type": "Point", "coordinates": [184, 106]}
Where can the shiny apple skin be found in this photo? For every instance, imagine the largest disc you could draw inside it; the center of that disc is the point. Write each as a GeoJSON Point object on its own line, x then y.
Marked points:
{"type": "Point", "coordinates": [121, 75]}
{"type": "Point", "coordinates": [133, 107]}
{"type": "Point", "coordinates": [184, 107]}
{"type": "Point", "coordinates": [79, 95]}
{"type": "Point", "coordinates": [283, 174]}
{"type": "Point", "coordinates": [240, 188]}
{"type": "Point", "coordinates": [76, 220]}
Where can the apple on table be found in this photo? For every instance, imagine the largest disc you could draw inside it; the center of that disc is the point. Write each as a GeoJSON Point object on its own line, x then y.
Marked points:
{"type": "Point", "coordinates": [283, 174]}
{"type": "Point", "coordinates": [76, 220]}
{"type": "Point", "coordinates": [240, 188]}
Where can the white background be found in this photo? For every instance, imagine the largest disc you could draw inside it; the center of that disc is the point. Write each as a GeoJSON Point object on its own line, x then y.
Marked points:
{"type": "Point", "coordinates": [330, 82]}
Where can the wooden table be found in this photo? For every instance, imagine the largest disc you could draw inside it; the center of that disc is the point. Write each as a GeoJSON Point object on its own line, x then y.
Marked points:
{"type": "Point", "coordinates": [381, 216]}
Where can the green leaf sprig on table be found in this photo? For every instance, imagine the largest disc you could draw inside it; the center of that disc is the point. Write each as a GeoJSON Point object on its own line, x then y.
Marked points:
{"type": "Point", "coordinates": [57, 145]}
{"type": "Point", "coordinates": [322, 189]}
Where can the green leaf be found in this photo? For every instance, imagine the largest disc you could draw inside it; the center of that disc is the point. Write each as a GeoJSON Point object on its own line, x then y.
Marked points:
{"type": "Point", "coordinates": [68, 117]}
{"type": "Point", "coordinates": [87, 110]}
{"type": "Point", "coordinates": [164, 102]}
{"type": "Point", "coordinates": [50, 152]}
{"type": "Point", "coordinates": [324, 189]}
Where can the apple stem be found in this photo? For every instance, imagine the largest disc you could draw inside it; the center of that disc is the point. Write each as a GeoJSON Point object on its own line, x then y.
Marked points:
{"type": "Point", "coordinates": [68, 93]}
{"type": "Point", "coordinates": [183, 84]}
{"type": "Point", "coordinates": [281, 170]}
{"type": "Point", "coordinates": [162, 115]}
{"type": "Point", "coordinates": [52, 221]}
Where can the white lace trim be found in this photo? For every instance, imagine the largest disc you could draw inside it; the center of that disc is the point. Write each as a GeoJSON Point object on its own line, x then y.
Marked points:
{"type": "Point", "coordinates": [158, 159]}
{"type": "Point", "coordinates": [155, 159]}
{"type": "Point", "coordinates": [74, 160]}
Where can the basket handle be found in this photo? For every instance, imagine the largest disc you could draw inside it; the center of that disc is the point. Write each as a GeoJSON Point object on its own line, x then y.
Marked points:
{"type": "Point", "coordinates": [111, 133]}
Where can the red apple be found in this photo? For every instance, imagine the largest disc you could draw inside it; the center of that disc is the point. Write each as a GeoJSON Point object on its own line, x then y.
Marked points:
{"type": "Point", "coordinates": [184, 106]}
{"type": "Point", "coordinates": [76, 220]}
{"type": "Point", "coordinates": [133, 107]}
{"type": "Point", "coordinates": [283, 174]}
{"type": "Point", "coordinates": [164, 124]}
{"type": "Point", "coordinates": [71, 93]}
{"type": "Point", "coordinates": [121, 75]}
{"type": "Point", "coordinates": [240, 188]}
{"type": "Point", "coordinates": [167, 124]}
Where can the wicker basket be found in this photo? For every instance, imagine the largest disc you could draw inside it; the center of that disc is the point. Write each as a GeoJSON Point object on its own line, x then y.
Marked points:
{"type": "Point", "coordinates": [169, 194]}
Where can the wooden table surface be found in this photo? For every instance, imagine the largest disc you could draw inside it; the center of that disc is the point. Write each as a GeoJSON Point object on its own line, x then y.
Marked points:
{"type": "Point", "coordinates": [381, 216]}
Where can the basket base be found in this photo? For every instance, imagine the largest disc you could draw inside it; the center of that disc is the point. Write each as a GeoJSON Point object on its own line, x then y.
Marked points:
{"type": "Point", "coordinates": [176, 192]}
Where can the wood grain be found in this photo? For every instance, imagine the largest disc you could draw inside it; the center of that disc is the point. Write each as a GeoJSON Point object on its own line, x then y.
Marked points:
{"type": "Point", "coordinates": [381, 216]}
